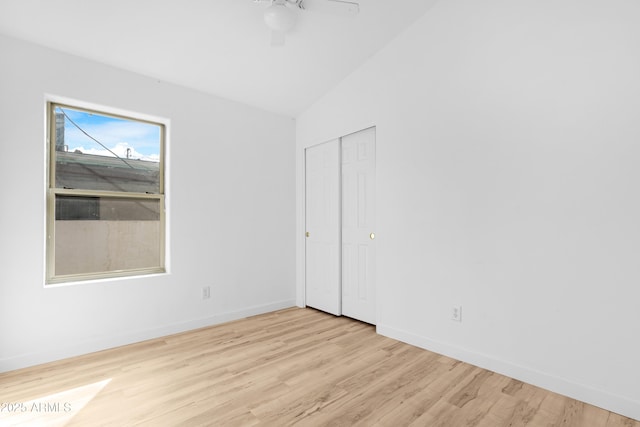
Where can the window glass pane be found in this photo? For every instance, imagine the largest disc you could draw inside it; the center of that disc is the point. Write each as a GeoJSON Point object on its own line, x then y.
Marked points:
{"type": "Point", "coordinates": [99, 152]}
{"type": "Point", "coordinates": [123, 234]}
{"type": "Point", "coordinates": [87, 208]}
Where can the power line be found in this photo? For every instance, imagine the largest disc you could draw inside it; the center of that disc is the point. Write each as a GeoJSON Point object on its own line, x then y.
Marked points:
{"type": "Point", "coordinates": [83, 131]}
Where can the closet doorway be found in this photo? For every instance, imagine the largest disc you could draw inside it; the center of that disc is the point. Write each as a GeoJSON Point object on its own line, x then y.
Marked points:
{"type": "Point", "coordinates": [340, 226]}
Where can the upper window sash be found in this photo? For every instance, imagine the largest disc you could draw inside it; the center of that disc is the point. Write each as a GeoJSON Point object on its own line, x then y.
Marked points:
{"type": "Point", "coordinates": [97, 151]}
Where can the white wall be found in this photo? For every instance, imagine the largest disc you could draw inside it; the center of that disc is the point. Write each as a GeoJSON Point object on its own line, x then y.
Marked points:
{"type": "Point", "coordinates": [231, 206]}
{"type": "Point", "coordinates": [508, 182]}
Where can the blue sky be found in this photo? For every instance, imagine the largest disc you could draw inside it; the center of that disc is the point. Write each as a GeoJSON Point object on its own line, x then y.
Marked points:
{"type": "Point", "coordinates": [142, 139]}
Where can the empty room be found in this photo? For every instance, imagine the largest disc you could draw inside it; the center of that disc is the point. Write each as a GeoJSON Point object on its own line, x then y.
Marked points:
{"type": "Point", "coordinates": [320, 212]}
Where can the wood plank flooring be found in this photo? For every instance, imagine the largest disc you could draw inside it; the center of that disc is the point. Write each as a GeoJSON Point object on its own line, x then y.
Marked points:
{"type": "Point", "coordinates": [291, 367]}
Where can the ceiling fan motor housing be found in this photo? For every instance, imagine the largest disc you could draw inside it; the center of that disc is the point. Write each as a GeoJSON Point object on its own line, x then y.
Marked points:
{"type": "Point", "coordinates": [278, 17]}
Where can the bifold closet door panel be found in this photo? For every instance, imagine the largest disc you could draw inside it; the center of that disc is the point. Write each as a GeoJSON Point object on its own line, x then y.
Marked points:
{"type": "Point", "coordinates": [358, 225]}
{"type": "Point", "coordinates": [322, 222]}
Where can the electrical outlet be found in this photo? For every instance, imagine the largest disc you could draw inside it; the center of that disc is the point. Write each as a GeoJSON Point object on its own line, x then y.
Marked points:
{"type": "Point", "coordinates": [456, 313]}
{"type": "Point", "coordinates": [206, 292]}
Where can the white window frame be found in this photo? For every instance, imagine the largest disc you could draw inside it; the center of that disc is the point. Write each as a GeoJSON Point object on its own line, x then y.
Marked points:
{"type": "Point", "coordinates": [51, 278]}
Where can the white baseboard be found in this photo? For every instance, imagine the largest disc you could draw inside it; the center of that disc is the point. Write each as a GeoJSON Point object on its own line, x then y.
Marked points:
{"type": "Point", "coordinates": [602, 399]}
{"type": "Point", "coordinates": [90, 346]}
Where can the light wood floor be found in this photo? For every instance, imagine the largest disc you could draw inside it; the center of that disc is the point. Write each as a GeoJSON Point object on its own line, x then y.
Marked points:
{"type": "Point", "coordinates": [295, 366]}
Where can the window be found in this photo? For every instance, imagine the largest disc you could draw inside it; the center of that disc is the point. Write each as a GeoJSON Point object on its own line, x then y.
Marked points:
{"type": "Point", "coordinates": [105, 201]}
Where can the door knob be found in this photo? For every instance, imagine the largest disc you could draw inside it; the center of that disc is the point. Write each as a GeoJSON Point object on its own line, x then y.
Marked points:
{"type": "Point", "coordinates": [307, 234]}
{"type": "Point", "coordinates": [372, 236]}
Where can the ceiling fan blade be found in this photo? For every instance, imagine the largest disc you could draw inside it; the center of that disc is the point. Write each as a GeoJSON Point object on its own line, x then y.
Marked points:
{"type": "Point", "coordinates": [277, 38]}
{"type": "Point", "coordinates": [333, 7]}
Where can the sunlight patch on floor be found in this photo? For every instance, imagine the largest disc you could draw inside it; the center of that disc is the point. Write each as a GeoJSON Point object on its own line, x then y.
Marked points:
{"type": "Point", "coordinates": [54, 410]}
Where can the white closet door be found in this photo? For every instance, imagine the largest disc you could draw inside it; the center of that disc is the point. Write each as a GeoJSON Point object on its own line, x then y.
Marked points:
{"type": "Point", "coordinates": [323, 227]}
{"type": "Point", "coordinates": [358, 226]}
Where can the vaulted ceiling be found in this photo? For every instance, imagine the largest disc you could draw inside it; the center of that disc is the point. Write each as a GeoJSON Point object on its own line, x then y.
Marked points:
{"type": "Point", "coordinates": [221, 47]}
